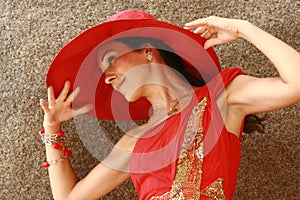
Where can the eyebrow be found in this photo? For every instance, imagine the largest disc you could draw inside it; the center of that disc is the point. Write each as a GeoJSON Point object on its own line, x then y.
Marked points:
{"type": "Point", "coordinates": [105, 54]}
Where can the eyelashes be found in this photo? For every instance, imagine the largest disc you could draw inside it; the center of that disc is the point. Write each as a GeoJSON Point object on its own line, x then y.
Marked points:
{"type": "Point", "coordinates": [111, 59]}
{"type": "Point", "coordinates": [108, 60]}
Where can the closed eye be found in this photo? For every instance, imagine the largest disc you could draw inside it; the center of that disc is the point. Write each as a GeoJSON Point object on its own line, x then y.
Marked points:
{"type": "Point", "coordinates": [111, 59]}
{"type": "Point", "coordinates": [108, 59]}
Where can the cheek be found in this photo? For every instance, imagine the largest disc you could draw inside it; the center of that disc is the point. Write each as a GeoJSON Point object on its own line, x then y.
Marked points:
{"type": "Point", "coordinates": [126, 63]}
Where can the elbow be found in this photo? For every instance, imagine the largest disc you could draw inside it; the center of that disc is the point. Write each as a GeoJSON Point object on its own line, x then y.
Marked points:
{"type": "Point", "coordinates": [292, 88]}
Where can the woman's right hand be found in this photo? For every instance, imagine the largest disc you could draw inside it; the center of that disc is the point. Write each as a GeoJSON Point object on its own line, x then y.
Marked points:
{"type": "Point", "coordinates": [59, 110]}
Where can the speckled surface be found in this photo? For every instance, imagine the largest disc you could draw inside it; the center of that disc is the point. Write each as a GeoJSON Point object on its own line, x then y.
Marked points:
{"type": "Point", "coordinates": [32, 32]}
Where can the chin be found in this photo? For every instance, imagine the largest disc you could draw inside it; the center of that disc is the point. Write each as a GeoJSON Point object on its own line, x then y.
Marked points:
{"type": "Point", "coordinates": [132, 98]}
{"type": "Point", "coordinates": [130, 95]}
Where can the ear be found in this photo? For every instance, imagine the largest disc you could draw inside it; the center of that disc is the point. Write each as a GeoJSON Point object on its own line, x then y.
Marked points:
{"type": "Point", "coordinates": [147, 47]}
{"type": "Point", "coordinates": [148, 51]}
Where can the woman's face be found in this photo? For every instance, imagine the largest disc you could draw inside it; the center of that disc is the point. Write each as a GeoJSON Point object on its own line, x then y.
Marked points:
{"type": "Point", "coordinates": [116, 59]}
{"type": "Point", "coordinates": [131, 73]}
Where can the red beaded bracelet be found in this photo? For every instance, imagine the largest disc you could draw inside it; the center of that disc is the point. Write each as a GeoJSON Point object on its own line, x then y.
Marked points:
{"type": "Point", "coordinates": [67, 155]}
{"type": "Point", "coordinates": [67, 152]}
{"type": "Point", "coordinates": [52, 140]}
{"type": "Point", "coordinates": [47, 164]}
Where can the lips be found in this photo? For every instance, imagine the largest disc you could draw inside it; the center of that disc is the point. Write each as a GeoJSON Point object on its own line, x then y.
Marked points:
{"type": "Point", "coordinates": [126, 86]}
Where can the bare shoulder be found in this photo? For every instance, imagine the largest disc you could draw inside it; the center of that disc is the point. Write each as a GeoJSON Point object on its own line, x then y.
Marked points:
{"type": "Point", "coordinates": [234, 88]}
{"type": "Point", "coordinates": [231, 111]}
{"type": "Point", "coordinates": [231, 115]}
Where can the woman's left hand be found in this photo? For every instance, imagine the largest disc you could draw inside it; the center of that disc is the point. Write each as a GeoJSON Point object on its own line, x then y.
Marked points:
{"type": "Point", "coordinates": [225, 30]}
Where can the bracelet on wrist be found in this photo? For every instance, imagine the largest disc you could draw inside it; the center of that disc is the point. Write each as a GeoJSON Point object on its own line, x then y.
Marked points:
{"type": "Point", "coordinates": [67, 155]}
{"type": "Point", "coordinates": [47, 164]}
{"type": "Point", "coordinates": [57, 141]}
{"type": "Point", "coordinates": [53, 140]}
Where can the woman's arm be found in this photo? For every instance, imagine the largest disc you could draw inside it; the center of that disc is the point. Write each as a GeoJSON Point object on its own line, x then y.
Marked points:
{"type": "Point", "coordinates": [63, 180]}
{"type": "Point", "coordinates": [252, 94]}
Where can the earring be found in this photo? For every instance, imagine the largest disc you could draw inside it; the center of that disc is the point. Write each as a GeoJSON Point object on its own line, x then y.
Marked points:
{"type": "Point", "coordinates": [149, 57]}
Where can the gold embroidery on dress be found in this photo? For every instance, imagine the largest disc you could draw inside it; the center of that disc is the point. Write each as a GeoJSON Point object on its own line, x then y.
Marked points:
{"type": "Point", "coordinates": [186, 185]}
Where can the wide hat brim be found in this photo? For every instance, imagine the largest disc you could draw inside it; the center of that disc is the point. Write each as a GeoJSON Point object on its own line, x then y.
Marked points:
{"type": "Point", "coordinates": [77, 63]}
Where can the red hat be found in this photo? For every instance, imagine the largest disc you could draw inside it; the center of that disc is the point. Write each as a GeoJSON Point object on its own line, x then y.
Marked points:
{"type": "Point", "coordinates": [77, 62]}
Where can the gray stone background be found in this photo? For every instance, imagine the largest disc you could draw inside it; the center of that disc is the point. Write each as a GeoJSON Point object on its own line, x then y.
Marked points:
{"type": "Point", "coordinates": [33, 31]}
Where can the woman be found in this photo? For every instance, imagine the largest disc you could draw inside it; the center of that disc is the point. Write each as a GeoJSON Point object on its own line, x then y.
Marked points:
{"type": "Point", "coordinates": [189, 148]}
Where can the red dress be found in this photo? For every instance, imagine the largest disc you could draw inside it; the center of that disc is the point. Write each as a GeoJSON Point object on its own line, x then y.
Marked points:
{"type": "Point", "coordinates": [189, 155]}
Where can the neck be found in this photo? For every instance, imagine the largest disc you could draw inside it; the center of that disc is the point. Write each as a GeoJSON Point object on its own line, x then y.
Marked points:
{"type": "Point", "coordinates": [159, 95]}
{"type": "Point", "coordinates": [169, 95]}
{"type": "Point", "coordinates": [158, 83]}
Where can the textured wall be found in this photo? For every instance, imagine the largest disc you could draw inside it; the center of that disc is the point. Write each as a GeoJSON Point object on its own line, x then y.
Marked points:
{"type": "Point", "coordinates": [32, 32]}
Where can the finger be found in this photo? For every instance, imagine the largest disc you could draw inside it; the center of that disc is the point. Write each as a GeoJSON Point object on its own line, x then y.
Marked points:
{"type": "Point", "coordinates": [44, 106]}
{"type": "Point", "coordinates": [208, 34]}
{"type": "Point", "coordinates": [64, 93]}
{"type": "Point", "coordinates": [73, 95]}
{"type": "Point", "coordinates": [212, 42]}
{"type": "Point", "coordinates": [196, 23]}
{"type": "Point", "coordinates": [51, 97]}
{"type": "Point", "coordinates": [200, 30]}
{"type": "Point", "coordinates": [83, 109]}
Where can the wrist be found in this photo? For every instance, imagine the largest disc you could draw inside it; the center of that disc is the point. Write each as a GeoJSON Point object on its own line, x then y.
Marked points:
{"type": "Point", "coordinates": [244, 27]}
{"type": "Point", "coordinates": [54, 141]}
{"type": "Point", "coordinates": [53, 128]}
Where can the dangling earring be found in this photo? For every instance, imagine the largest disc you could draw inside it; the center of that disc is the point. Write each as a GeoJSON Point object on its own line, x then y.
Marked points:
{"type": "Point", "coordinates": [149, 57]}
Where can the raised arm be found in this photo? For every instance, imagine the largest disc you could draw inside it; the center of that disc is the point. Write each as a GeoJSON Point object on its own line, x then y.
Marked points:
{"type": "Point", "coordinates": [252, 94]}
{"type": "Point", "coordinates": [63, 180]}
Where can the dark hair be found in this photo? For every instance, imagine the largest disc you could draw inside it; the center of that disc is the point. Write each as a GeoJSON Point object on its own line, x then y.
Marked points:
{"type": "Point", "coordinates": [252, 122]}
{"type": "Point", "coordinates": [171, 59]}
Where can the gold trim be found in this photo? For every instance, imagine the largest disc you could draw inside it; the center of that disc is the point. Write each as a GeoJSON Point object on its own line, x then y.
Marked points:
{"type": "Point", "coordinates": [186, 185]}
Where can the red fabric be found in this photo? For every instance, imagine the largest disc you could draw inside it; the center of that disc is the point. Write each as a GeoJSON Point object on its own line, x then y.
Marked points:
{"type": "Point", "coordinates": [221, 148]}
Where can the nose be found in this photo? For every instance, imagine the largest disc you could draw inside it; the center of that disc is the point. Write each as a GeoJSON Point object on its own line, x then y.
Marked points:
{"type": "Point", "coordinates": [110, 77]}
